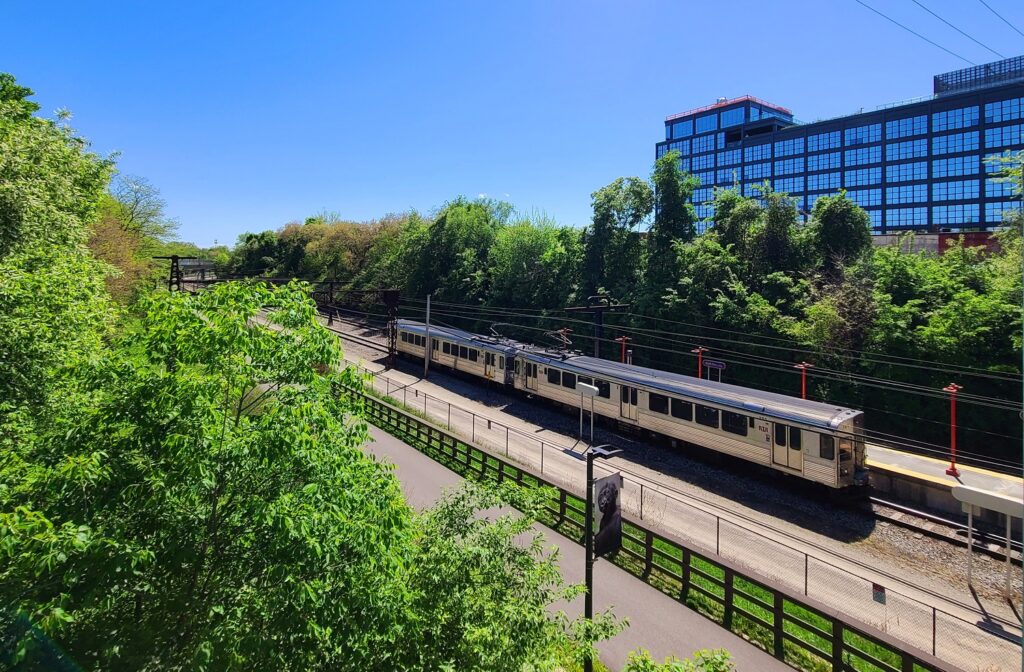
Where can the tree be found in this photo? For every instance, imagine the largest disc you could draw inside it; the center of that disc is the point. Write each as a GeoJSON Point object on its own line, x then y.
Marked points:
{"type": "Point", "coordinates": [611, 247]}
{"type": "Point", "coordinates": [141, 208]}
{"type": "Point", "coordinates": [842, 231]}
{"type": "Point", "coordinates": [704, 660]}
{"type": "Point", "coordinates": [673, 222]}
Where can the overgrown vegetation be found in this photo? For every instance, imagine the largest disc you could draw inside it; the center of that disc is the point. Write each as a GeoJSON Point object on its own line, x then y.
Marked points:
{"type": "Point", "coordinates": [762, 289]}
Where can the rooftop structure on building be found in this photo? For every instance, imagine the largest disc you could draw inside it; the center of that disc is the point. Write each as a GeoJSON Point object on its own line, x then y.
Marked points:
{"type": "Point", "coordinates": [922, 165]}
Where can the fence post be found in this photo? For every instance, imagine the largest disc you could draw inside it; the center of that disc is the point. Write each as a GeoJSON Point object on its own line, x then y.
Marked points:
{"type": "Point", "coordinates": [718, 535]}
{"type": "Point", "coordinates": [727, 617]}
{"type": "Point", "coordinates": [542, 457]}
{"type": "Point", "coordinates": [685, 590]}
{"type": "Point", "coordinates": [648, 553]}
{"type": "Point", "coordinates": [777, 630]}
{"type": "Point", "coordinates": [449, 415]}
{"type": "Point", "coordinates": [934, 629]}
{"type": "Point", "coordinates": [473, 417]}
{"type": "Point", "coordinates": [807, 573]}
{"type": "Point", "coordinates": [506, 441]}
{"type": "Point", "coordinates": [837, 645]}
{"type": "Point", "coordinates": [641, 501]}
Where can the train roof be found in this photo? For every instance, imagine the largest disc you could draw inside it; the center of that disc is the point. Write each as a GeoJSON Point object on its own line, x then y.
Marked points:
{"type": "Point", "coordinates": [805, 411]}
{"type": "Point", "coordinates": [503, 346]}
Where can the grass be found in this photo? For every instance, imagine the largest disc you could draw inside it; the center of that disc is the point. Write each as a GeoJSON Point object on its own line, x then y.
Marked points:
{"type": "Point", "coordinates": [706, 592]}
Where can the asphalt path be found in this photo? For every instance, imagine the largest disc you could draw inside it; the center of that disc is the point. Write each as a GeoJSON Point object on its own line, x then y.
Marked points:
{"type": "Point", "coordinates": [657, 623]}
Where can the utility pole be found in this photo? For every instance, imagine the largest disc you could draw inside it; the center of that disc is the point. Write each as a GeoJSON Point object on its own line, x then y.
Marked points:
{"type": "Point", "coordinates": [623, 340]}
{"type": "Point", "coordinates": [390, 299]}
{"type": "Point", "coordinates": [699, 351]}
{"type": "Point", "coordinates": [599, 305]}
{"type": "Point", "coordinates": [426, 343]}
{"type": "Point", "coordinates": [952, 388]}
{"type": "Point", "coordinates": [803, 366]}
{"type": "Point", "coordinates": [174, 277]}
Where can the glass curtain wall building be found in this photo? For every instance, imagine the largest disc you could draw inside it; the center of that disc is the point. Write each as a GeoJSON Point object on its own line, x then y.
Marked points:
{"type": "Point", "coordinates": [919, 165]}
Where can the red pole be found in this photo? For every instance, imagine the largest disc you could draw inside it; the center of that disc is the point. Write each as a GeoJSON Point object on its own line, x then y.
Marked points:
{"type": "Point", "coordinates": [803, 366]}
{"type": "Point", "coordinates": [623, 340]}
{"type": "Point", "coordinates": [700, 350]}
{"type": "Point", "coordinates": [952, 388]}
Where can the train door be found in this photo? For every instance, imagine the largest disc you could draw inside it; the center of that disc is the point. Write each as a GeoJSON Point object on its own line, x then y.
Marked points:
{"type": "Point", "coordinates": [787, 447]}
{"type": "Point", "coordinates": [434, 348]}
{"type": "Point", "coordinates": [627, 402]}
{"type": "Point", "coordinates": [531, 375]}
{"type": "Point", "coordinates": [489, 365]}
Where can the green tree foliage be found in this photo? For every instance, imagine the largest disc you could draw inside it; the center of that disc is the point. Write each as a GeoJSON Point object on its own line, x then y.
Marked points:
{"type": "Point", "coordinates": [673, 223]}
{"type": "Point", "coordinates": [612, 249]}
{"type": "Point", "coordinates": [842, 231]}
{"type": "Point", "coordinates": [533, 264]}
{"type": "Point", "coordinates": [703, 661]}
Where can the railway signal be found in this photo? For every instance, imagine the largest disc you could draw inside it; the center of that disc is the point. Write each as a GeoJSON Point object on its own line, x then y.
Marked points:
{"type": "Point", "coordinates": [803, 366]}
{"type": "Point", "coordinates": [699, 351]}
{"type": "Point", "coordinates": [952, 388]}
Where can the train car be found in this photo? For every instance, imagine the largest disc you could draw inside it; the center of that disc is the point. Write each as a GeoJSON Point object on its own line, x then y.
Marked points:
{"type": "Point", "coordinates": [808, 439]}
{"type": "Point", "coordinates": [480, 356]}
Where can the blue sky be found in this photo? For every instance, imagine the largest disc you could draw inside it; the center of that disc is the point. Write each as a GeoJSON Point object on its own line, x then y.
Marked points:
{"type": "Point", "coordinates": [250, 115]}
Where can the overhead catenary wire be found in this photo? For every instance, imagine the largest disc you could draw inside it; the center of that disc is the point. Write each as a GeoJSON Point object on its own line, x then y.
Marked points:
{"type": "Point", "coordinates": [982, 44]}
{"type": "Point", "coordinates": [914, 32]}
{"type": "Point", "coordinates": [989, 7]}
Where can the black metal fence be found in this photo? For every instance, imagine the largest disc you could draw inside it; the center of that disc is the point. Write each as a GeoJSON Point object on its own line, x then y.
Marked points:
{"type": "Point", "coordinates": [799, 631]}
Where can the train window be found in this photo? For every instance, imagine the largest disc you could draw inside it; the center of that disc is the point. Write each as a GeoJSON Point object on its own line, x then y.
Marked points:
{"type": "Point", "coordinates": [533, 370]}
{"type": "Point", "coordinates": [751, 419]}
{"type": "Point", "coordinates": [569, 380]}
{"type": "Point", "coordinates": [603, 389]}
{"type": "Point", "coordinates": [707, 416]}
{"type": "Point", "coordinates": [780, 434]}
{"type": "Point", "coordinates": [795, 440]}
{"type": "Point", "coordinates": [405, 337]}
{"type": "Point", "coordinates": [826, 447]}
{"type": "Point", "coordinates": [446, 347]}
{"type": "Point", "coordinates": [501, 362]}
{"type": "Point", "coordinates": [463, 352]}
{"type": "Point", "coordinates": [845, 450]}
{"type": "Point", "coordinates": [682, 409]}
{"type": "Point", "coordinates": [734, 423]}
{"type": "Point", "coordinates": [473, 354]}
{"type": "Point", "coordinates": [657, 402]}
{"type": "Point", "coordinates": [632, 395]}
{"type": "Point", "coordinates": [585, 380]}
{"type": "Point", "coordinates": [518, 367]}
{"type": "Point", "coordinates": [487, 359]}
{"type": "Point", "coordinates": [554, 376]}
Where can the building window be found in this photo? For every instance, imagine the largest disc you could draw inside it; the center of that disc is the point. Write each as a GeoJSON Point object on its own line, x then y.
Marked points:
{"type": "Point", "coordinates": [902, 217]}
{"type": "Point", "coordinates": [707, 178]}
{"type": "Point", "coordinates": [704, 143]}
{"type": "Point", "coordinates": [721, 140]}
{"type": "Point", "coordinates": [812, 199]}
{"type": "Point", "coordinates": [956, 142]}
{"type": "Point", "coordinates": [863, 135]}
{"type": "Point", "coordinates": [865, 197]}
{"type": "Point", "coordinates": [661, 151]}
{"type": "Point", "coordinates": [911, 193]}
{"type": "Point", "coordinates": [728, 175]}
{"type": "Point", "coordinates": [730, 158]}
{"type": "Point", "coordinates": [682, 129]}
{"type": "Point", "coordinates": [876, 218]}
{"type": "Point", "coordinates": [1002, 136]}
{"type": "Point", "coordinates": [816, 143]}
{"type": "Point", "coordinates": [859, 157]}
{"type": "Point", "coordinates": [757, 153]}
{"type": "Point", "coordinates": [823, 161]}
{"type": "Point", "coordinates": [703, 194]}
{"type": "Point", "coordinates": [789, 166]}
{"type": "Point", "coordinates": [960, 165]}
{"type": "Point", "coordinates": [996, 188]}
{"type": "Point", "coordinates": [907, 172]}
{"type": "Point", "coordinates": [912, 149]}
{"type": "Point", "coordinates": [821, 181]}
{"type": "Point", "coordinates": [863, 176]}
{"type": "Point", "coordinates": [657, 403]}
{"type": "Point", "coordinates": [904, 128]}
{"type": "Point", "coordinates": [955, 191]}
{"type": "Point", "coordinates": [952, 119]}
{"type": "Point", "coordinates": [703, 162]}
{"type": "Point", "coordinates": [965, 213]}
{"type": "Point", "coordinates": [709, 122]}
{"type": "Point", "coordinates": [681, 146]}
{"type": "Point", "coordinates": [757, 170]}
{"type": "Point", "coordinates": [789, 147]}
{"type": "Point", "coordinates": [994, 210]}
{"type": "Point", "coordinates": [733, 117]}
{"type": "Point", "coordinates": [790, 185]}
{"type": "Point", "coordinates": [704, 211]}
{"type": "Point", "coordinates": [1004, 110]}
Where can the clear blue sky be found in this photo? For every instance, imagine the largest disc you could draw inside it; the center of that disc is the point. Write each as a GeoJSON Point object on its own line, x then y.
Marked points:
{"type": "Point", "coordinates": [250, 115]}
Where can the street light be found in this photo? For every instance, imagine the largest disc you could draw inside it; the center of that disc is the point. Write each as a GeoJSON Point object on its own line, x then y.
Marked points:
{"type": "Point", "coordinates": [586, 390]}
{"type": "Point", "coordinates": [952, 388]}
{"type": "Point", "coordinates": [602, 452]}
{"type": "Point", "coordinates": [803, 366]}
{"type": "Point", "coordinates": [699, 350]}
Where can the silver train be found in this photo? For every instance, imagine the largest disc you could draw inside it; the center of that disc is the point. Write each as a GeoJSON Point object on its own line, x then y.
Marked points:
{"type": "Point", "coordinates": [806, 439]}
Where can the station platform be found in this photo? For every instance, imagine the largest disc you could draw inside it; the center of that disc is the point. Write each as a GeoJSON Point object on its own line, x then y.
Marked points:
{"type": "Point", "coordinates": [923, 481]}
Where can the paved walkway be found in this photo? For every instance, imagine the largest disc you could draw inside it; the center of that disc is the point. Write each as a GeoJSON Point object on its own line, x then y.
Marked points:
{"type": "Point", "coordinates": [836, 577]}
{"type": "Point", "coordinates": [657, 623]}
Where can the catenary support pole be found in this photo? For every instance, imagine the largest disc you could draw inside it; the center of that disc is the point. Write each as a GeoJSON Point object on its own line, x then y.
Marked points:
{"type": "Point", "coordinates": [952, 388]}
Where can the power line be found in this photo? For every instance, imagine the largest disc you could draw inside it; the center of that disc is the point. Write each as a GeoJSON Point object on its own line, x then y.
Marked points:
{"type": "Point", "coordinates": [935, 44]}
{"type": "Point", "coordinates": [1001, 17]}
{"type": "Point", "coordinates": [957, 29]}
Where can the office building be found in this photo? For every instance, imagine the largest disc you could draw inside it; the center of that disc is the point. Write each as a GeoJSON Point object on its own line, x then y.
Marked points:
{"type": "Point", "coordinates": [917, 165]}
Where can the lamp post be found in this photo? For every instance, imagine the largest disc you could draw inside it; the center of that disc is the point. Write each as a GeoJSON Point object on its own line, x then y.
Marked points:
{"type": "Point", "coordinates": [803, 366]}
{"type": "Point", "coordinates": [623, 340]}
{"type": "Point", "coordinates": [699, 351]}
{"type": "Point", "coordinates": [952, 388]}
{"type": "Point", "coordinates": [593, 453]}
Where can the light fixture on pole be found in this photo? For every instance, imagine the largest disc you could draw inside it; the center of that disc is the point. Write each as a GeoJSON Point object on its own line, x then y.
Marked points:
{"type": "Point", "coordinates": [803, 366]}
{"type": "Point", "coordinates": [611, 543]}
